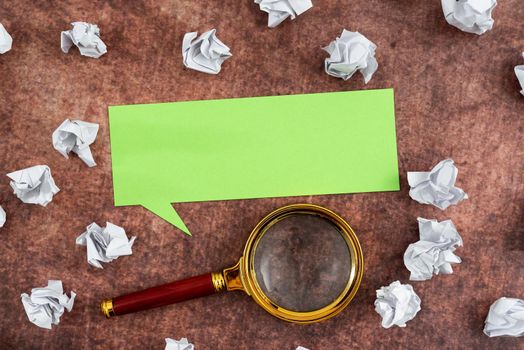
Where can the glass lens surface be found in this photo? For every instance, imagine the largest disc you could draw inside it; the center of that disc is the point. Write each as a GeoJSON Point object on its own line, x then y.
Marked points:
{"type": "Point", "coordinates": [302, 262]}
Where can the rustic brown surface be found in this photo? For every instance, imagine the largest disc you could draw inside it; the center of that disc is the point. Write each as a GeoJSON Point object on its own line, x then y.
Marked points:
{"type": "Point", "coordinates": [456, 96]}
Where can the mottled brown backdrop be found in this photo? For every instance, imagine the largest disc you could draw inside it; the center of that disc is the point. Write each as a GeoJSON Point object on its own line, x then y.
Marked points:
{"type": "Point", "coordinates": [456, 96]}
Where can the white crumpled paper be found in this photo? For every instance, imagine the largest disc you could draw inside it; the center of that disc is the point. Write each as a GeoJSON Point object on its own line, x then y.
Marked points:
{"type": "Point", "coordinates": [45, 305]}
{"type": "Point", "coordinates": [34, 185]}
{"type": "Point", "coordinates": [3, 216]}
{"type": "Point", "coordinates": [76, 136]}
{"type": "Point", "coordinates": [519, 72]}
{"type": "Point", "coordinates": [433, 253]}
{"type": "Point", "coordinates": [181, 344]}
{"type": "Point", "coordinates": [349, 53]}
{"type": "Point", "coordinates": [505, 318]}
{"type": "Point", "coordinates": [105, 244]}
{"type": "Point", "coordinates": [436, 187]}
{"type": "Point", "coordinates": [397, 304]}
{"type": "Point", "coordinates": [279, 10]}
{"type": "Point", "coordinates": [204, 54]}
{"type": "Point", "coordinates": [301, 348]}
{"type": "Point", "coordinates": [6, 41]}
{"type": "Point", "coordinates": [472, 16]}
{"type": "Point", "coordinates": [86, 37]}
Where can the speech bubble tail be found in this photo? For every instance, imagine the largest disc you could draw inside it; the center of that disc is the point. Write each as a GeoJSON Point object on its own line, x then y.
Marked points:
{"type": "Point", "coordinates": [166, 211]}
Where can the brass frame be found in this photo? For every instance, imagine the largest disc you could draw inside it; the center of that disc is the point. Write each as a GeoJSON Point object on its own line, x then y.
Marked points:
{"type": "Point", "coordinates": [242, 276]}
{"type": "Point", "coordinates": [107, 308]}
{"type": "Point", "coordinates": [218, 281]}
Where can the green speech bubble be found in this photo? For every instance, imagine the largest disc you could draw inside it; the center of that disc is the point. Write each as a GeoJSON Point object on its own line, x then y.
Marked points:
{"type": "Point", "coordinates": [327, 143]}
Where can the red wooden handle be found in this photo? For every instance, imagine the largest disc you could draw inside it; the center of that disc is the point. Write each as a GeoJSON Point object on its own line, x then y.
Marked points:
{"type": "Point", "coordinates": [166, 294]}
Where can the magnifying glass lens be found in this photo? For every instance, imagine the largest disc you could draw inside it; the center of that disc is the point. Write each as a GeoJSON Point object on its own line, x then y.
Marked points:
{"type": "Point", "coordinates": [302, 262]}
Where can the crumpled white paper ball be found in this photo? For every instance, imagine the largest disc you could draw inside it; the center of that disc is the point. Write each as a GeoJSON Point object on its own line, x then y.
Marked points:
{"type": "Point", "coordinates": [434, 252]}
{"type": "Point", "coordinates": [76, 136]}
{"type": "Point", "coordinates": [3, 216]}
{"type": "Point", "coordinates": [436, 187]}
{"type": "Point", "coordinates": [46, 305]}
{"type": "Point", "coordinates": [182, 344]}
{"type": "Point", "coordinates": [204, 54]}
{"type": "Point", "coordinates": [505, 318]}
{"type": "Point", "coordinates": [349, 53]}
{"type": "Point", "coordinates": [471, 16]}
{"type": "Point", "coordinates": [105, 244]}
{"type": "Point", "coordinates": [279, 10]}
{"type": "Point", "coordinates": [397, 304]}
{"type": "Point", "coordinates": [6, 41]}
{"type": "Point", "coordinates": [86, 37]}
{"type": "Point", "coordinates": [34, 185]}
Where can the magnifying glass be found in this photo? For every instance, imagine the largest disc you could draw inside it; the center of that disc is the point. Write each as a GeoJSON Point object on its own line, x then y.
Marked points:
{"type": "Point", "coordinates": [302, 263]}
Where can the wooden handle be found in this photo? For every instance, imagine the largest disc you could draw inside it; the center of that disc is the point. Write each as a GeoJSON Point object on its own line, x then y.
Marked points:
{"type": "Point", "coordinates": [174, 292]}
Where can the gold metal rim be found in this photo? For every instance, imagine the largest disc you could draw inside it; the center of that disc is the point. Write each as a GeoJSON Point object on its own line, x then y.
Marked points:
{"type": "Point", "coordinates": [218, 281]}
{"type": "Point", "coordinates": [107, 308]}
{"type": "Point", "coordinates": [251, 286]}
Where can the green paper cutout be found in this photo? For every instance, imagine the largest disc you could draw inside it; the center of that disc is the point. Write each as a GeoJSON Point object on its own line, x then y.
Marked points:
{"type": "Point", "coordinates": [277, 146]}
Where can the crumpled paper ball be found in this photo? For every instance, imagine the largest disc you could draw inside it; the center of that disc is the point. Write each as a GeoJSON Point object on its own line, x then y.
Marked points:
{"type": "Point", "coordinates": [471, 16]}
{"type": "Point", "coordinates": [397, 304]}
{"type": "Point", "coordinates": [505, 318]}
{"type": "Point", "coordinates": [76, 136]}
{"type": "Point", "coordinates": [205, 54]}
{"type": "Point", "coordinates": [3, 216]}
{"type": "Point", "coordinates": [279, 10]}
{"type": "Point", "coordinates": [86, 37]}
{"type": "Point", "coordinates": [34, 185]}
{"type": "Point", "coordinates": [434, 252]}
{"type": "Point", "coordinates": [349, 53]}
{"type": "Point", "coordinates": [6, 41]}
{"type": "Point", "coordinates": [46, 305]}
{"type": "Point", "coordinates": [182, 344]}
{"type": "Point", "coordinates": [105, 244]}
{"type": "Point", "coordinates": [436, 187]}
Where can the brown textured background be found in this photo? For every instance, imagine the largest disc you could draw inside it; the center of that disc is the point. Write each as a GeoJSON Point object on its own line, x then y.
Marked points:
{"type": "Point", "coordinates": [456, 96]}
